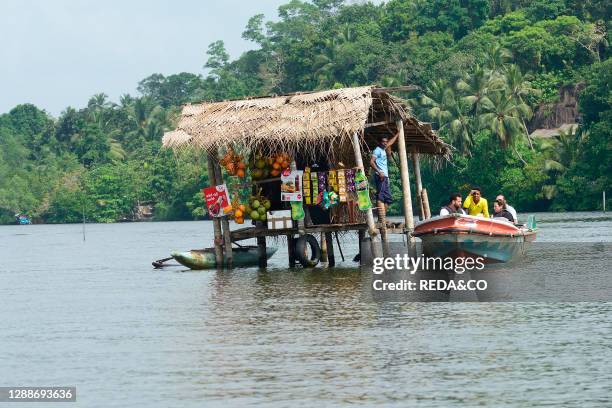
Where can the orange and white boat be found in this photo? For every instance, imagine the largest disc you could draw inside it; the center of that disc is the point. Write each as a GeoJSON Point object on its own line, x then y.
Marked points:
{"type": "Point", "coordinates": [458, 235]}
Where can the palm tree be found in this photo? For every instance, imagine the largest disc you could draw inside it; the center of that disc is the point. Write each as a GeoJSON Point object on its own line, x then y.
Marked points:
{"type": "Point", "coordinates": [126, 100]}
{"type": "Point", "coordinates": [496, 58]}
{"type": "Point", "coordinates": [560, 152]}
{"type": "Point", "coordinates": [150, 120]}
{"type": "Point", "coordinates": [398, 78]}
{"type": "Point", "coordinates": [503, 116]}
{"type": "Point", "coordinates": [99, 102]}
{"type": "Point", "coordinates": [459, 124]}
{"type": "Point", "coordinates": [326, 62]}
{"type": "Point", "coordinates": [518, 88]}
{"type": "Point", "coordinates": [434, 99]}
{"type": "Point", "coordinates": [517, 84]}
{"type": "Point", "coordinates": [476, 86]}
{"type": "Point", "coordinates": [96, 115]}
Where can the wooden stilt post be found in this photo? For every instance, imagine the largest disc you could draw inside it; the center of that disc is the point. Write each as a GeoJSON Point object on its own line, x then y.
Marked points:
{"type": "Point", "coordinates": [407, 200]}
{"type": "Point", "coordinates": [291, 250]}
{"type": "Point", "coordinates": [323, 247]}
{"type": "Point", "coordinates": [425, 199]}
{"type": "Point", "coordinates": [382, 221]}
{"type": "Point", "coordinates": [331, 259]}
{"type": "Point", "coordinates": [227, 240]}
{"type": "Point", "coordinates": [360, 237]}
{"type": "Point", "coordinates": [374, 236]}
{"type": "Point", "coordinates": [419, 185]}
{"type": "Point", "coordinates": [216, 222]}
{"type": "Point", "coordinates": [261, 252]}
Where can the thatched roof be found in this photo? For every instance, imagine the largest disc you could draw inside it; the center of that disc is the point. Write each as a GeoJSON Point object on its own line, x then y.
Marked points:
{"type": "Point", "coordinates": [303, 122]}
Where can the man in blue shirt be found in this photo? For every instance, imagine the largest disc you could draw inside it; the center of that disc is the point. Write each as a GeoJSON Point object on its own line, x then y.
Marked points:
{"type": "Point", "coordinates": [378, 162]}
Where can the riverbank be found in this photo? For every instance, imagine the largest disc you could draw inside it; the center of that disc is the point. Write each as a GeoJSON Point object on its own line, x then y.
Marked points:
{"type": "Point", "coordinates": [545, 216]}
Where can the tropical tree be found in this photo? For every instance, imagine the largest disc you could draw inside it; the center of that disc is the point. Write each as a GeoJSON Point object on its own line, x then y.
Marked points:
{"type": "Point", "coordinates": [561, 152]}
{"type": "Point", "coordinates": [476, 86]}
{"type": "Point", "coordinates": [497, 58]}
{"type": "Point", "coordinates": [503, 116]}
{"type": "Point", "coordinates": [434, 100]}
{"type": "Point", "coordinates": [458, 126]}
{"type": "Point", "coordinates": [517, 84]}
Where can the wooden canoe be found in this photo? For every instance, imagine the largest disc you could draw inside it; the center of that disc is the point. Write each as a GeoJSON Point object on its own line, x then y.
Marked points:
{"type": "Point", "coordinates": [205, 258]}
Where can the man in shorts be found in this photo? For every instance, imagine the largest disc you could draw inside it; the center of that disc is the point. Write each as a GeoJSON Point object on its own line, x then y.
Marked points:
{"type": "Point", "coordinates": [378, 162]}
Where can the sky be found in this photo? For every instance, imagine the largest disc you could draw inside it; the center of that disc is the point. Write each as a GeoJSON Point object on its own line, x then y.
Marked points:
{"type": "Point", "coordinates": [59, 53]}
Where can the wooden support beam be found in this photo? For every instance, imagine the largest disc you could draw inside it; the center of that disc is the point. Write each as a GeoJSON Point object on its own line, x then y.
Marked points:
{"type": "Point", "coordinates": [339, 246]}
{"type": "Point", "coordinates": [360, 238]}
{"type": "Point", "coordinates": [381, 123]}
{"type": "Point", "coordinates": [261, 252]}
{"type": "Point", "coordinates": [291, 250]}
{"type": "Point", "coordinates": [407, 199]}
{"type": "Point", "coordinates": [402, 88]}
{"type": "Point", "coordinates": [323, 247]}
{"type": "Point", "coordinates": [419, 185]}
{"type": "Point", "coordinates": [216, 222]}
{"type": "Point", "coordinates": [227, 241]}
{"type": "Point", "coordinates": [382, 222]}
{"type": "Point", "coordinates": [375, 237]}
{"type": "Point", "coordinates": [425, 199]}
{"type": "Point", "coordinates": [253, 232]}
{"type": "Point", "coordinates": [331, 258]}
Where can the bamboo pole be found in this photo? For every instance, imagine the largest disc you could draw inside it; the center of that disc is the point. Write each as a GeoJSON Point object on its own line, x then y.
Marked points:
{"type": "Point", "coordinates": [227, 240]}
{"type": "Point", "coordinates": [216, 222]}
{"type": "Point", "coordinates": [419, 185]}
{"type": "Point", "coordinates": [425, 199]}
{"type": "Point", "coordinates": [407, 198]}
{"type": "Point", "coordinates": [261, 251]}
{"type": "Point", "coordinates": [331, 258]}
{"type": "Point", "coordinates": [374, 236]}
{"type": "Point", "coordinates": [382, 221]}
{"type": "Point", "coordinates": [360, 238]}
{"type": "Point", "coordinates": [323, 248]}
{"type": "Point", "coordinates": [291, 250]}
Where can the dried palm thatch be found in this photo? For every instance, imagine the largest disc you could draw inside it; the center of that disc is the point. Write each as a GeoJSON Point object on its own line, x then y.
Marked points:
{"type": "Point", "coordinates": [306, 123]}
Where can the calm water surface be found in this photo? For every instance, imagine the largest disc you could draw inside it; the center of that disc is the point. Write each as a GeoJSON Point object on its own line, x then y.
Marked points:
{"type": "Point", "coordinates": [95, 315]}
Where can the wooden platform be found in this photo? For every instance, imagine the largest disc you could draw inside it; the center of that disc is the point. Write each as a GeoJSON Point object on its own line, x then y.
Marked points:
{"type": "Point", "coordinates": [255, 232]}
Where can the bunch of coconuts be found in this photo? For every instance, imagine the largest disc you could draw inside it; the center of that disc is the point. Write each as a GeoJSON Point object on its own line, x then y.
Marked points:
{"type": "Point", "coordinates": [262, 167]}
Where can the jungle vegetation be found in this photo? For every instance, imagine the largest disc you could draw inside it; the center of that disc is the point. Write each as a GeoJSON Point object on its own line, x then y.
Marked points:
{"type": "Point", "coordinates": [484, 67]}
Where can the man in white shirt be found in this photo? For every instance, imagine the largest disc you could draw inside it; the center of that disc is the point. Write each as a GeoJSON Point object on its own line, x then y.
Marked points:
{"type": "Point", "coordinates": [453, 206]}
{"type": "Point", "coordinates": [510, 208]}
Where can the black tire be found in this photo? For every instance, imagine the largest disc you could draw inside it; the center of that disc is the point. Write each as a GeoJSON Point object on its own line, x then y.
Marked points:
{"type": "Point", "coordinates": [300, 251]}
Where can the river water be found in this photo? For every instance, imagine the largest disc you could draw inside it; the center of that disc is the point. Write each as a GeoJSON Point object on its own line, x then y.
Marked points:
{"type": "Point", "coordinates": [94, 314]}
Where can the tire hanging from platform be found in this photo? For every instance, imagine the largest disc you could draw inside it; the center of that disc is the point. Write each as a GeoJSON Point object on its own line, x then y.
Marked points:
{"type": "Point", "coordinates": [300, 251]}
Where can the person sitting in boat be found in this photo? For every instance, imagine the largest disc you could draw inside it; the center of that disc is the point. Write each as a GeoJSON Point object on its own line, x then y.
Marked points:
{"type": "Point", "coordinates": [453, 206]}
{"type": "Point", "coordinates": [500, 211]}
{"type": "Point", "coordinates": [500, 197]}
{"type": "Point", "coordinates": [475, 204]}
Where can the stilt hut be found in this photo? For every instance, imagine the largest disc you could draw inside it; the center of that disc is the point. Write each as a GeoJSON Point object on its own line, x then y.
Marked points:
{"type": "Point", "coordinates": [339, 127]}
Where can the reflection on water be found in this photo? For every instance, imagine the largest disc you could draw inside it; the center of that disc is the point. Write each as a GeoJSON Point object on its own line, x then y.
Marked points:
{"type": "Point", "coordinates": [94, 314]}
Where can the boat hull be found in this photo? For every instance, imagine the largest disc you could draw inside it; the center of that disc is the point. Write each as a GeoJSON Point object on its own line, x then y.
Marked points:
{"type": "Point", "coordinates": [461, 236]}
{"type": "Point", "coordinates": [205, 258]}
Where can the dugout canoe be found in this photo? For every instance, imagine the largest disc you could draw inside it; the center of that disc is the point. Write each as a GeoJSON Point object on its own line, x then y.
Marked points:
{"type": "Point", "coordinates": [205, 258]}
{"type": "Point", "coordinates": [458, 235]}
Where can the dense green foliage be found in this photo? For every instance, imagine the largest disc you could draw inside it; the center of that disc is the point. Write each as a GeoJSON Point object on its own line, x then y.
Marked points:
{"type": "Point", "coordinates": [483, 67]}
